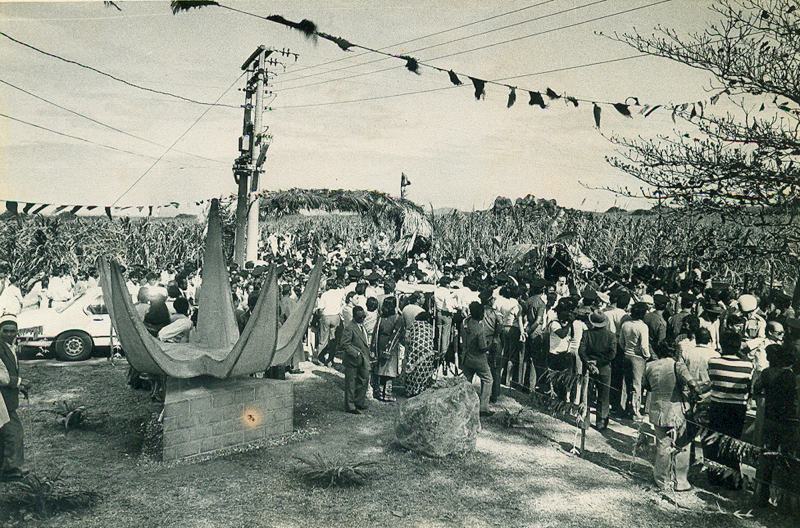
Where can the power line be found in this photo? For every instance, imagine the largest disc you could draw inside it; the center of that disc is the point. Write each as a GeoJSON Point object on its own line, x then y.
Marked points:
{"type": "Point", "coordinates": [420, 38]}
{"type": "Point", "coordinates": [34, 48]}
{"type": "Point", "coordinates": [623, 12]}
{"type": "Point", "coordinates": [566, 68]}
{"type": "Point", "coordinates": [454, 40]}
{"type": "Point", "coordinates": [426, 63]}
{"type": "Point", "coordinates": [18, 120]}
{"type": "Point", "coordinates": [177, 140]}
{"type": "Point", "coordinates": [103, 124]}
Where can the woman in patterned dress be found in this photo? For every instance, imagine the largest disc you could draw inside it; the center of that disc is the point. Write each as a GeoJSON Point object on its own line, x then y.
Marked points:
{"type": "Point", "coordinates": [421, 358]}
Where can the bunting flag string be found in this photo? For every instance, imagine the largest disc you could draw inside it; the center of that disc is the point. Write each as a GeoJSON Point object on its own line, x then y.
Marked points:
{"type": "Point", "coordinates": [310, 30]}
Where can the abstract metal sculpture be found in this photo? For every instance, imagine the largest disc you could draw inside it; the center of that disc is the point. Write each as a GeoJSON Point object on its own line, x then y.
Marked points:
{"type": "Point", "coordinates": [216, 348]}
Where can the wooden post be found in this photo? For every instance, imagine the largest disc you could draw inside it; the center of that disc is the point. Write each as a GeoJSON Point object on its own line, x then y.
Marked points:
{"type": "Point", "coordinates": [586, 414]}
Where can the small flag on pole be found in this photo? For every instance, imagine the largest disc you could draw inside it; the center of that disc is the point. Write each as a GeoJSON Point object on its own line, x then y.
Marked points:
{"type": "Point", "coordinates": [404, 181]}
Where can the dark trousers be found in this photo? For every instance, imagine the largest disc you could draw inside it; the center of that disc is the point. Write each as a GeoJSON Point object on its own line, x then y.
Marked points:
{"type": "Point", "coordinates": [495, 359]}
{"type": "Point", "coordinates": [11, 443]}
{"type": "Point", "coordinates": [617, 397]}
{"type": "Point", "coordinates": [479, 365]}
{"type": "Point", "coordinates": [356, 381]}
{"type": "Point", "coordinates": [513, 353]}
{"type": "Point", "coordinates": [599, 391]}
{"type": "Point", "coordinates": [728, 419]}
{"type": "Point", "coordinates": [777, 436]}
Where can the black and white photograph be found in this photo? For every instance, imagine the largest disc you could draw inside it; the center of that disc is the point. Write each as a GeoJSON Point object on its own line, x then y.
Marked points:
{"type": "Point", "coordinates": [433, 263]}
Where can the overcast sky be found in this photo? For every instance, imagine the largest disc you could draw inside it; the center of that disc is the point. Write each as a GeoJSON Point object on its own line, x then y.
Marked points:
{"type": "Point", "coordinates": [332, 129]}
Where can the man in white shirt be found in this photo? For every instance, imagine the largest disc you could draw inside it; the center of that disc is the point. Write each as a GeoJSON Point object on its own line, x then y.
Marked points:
{"type": "Point", "coordinates": [329, 306]}
{"type": "Point", "coordinates": [696, 358]}
{"type": "Point", "coordinates": [445, 309]}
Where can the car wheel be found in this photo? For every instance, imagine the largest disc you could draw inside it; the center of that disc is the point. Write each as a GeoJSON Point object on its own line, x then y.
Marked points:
{"type": "Point", "coordinates": [74, 345]}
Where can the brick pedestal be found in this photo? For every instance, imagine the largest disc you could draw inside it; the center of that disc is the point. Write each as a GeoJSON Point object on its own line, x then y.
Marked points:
{"type": "Point", "coordinates": [203, 415]}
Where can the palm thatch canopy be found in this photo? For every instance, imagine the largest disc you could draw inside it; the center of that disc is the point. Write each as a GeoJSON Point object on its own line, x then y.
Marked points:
{"type": "Point", "coordinates": [406, 217]}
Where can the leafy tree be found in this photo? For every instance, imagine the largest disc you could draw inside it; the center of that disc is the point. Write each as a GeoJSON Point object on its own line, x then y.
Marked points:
{"type": "Point", "coordinates": [739, 172]}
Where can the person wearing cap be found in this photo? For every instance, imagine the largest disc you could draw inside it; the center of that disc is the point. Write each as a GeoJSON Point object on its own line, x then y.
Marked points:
{"type": "Point", "coordinates": [755, 326]}
{"type": "Point", "coordinates": [597, 349]}
{"type": "Point", "coordinates": [12, 447]}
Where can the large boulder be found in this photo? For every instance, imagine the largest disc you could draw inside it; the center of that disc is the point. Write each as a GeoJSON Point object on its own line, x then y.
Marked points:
{"type": "Point", "coordinates": [440, 422]}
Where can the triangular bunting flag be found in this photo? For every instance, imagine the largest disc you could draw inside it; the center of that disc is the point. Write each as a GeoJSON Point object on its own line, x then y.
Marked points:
{"type": "Point", "coordinates": [11, 207]}
{"type": "Point", "coordinates": [512, 97]}
{"type": "Point", "coordinates": [537, 99]}
{"type": "Point", "coordinates": [108, 212]}
{"type": "Point", "coordinates": [59, 209]}
{"type": "Point", "coordinates": [551, 94]}
{"type": "Point", "coordinates": [572, 100]}
{"type": "Point", "coordinates": [479, 87]}
{"type": "Point", "coordinates": [622, 109]}
{"type": "Point", "coordinates": [454, 78]}
{"type": "Point", "coordinates": [597, 111]}
{"type": "Point", "coordinates": [91, 207]}
{"type": "Point", "coordinates": [411, 64]}
{"type": "Point", "coordinates": [76, 209]}
{"type": "Point", "coordinates": [40, 208]}
{"type": "Point", "coordinates": [27, 207]}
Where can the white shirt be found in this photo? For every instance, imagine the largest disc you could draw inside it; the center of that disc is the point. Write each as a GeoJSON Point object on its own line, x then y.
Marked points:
{"type": "Point", "coordinates": [177, 331]}
{"type": "Point", "coordinates": [330, 302]}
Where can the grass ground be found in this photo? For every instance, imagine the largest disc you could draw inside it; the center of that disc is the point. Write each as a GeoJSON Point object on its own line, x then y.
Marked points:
{"type": "Point", "coordinates": [520, 476]}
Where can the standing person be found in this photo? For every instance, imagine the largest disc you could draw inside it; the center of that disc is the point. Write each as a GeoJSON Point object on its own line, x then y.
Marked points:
{"type": "Point", "coordinates": [634, 339]}
{"type": "Point", "coordinates": [491, 325]}
{"type": "Point", "coordinates": [535, 311]}
{"type": "Point", "coordinates": [620, 299]}
{"type": "Point", "coordinates": [558, 339]}
{"type": "Point", "coordinates": [388, 333]}
{"type": "Point", "coordinates": [420, 365]}
{"type": "Point", "coordinates": [730, 377]}
{"type": "Point", "coordinates": [476, 346]}
{"type": "Point", "coordinates": [510, 313]}
{"type": "Point", "coordinates": [696, 357]}
{"type": "Point", "coordinates": [597, 349]}
{"type": "Point", "coordinates": [329, 307]}
{"type": "Point", "coordinates": [665, 379]}
{"type": "Point", "coordinates": [354, 348]}
{"type": "Point", "coordinates": [445, 309]}
{"type": "Point", "coordinates": [781, 429]}
{"type": "Point", "coordinates": [11, 299]}
{"type": "Point", "coordinates": [12, 447]}
{"type": "Point", "coordinates": [654, 318]}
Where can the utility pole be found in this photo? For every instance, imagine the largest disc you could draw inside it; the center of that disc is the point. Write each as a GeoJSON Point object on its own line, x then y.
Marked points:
{"type": "Point", "coordinates": [253, 147]}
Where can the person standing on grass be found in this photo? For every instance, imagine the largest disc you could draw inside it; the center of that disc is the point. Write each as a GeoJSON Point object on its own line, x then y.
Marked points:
{"type": "Point", "coordinates": [354, 348]}
{"type": "Point", "coordinates": [665, 378]}
{"type": "Point", "coordinates": [386, 341]}
{"type": "Point", "coordinates": [329, 307]}
{"type": "Point", "coordinates": [12, 447]}
{"type": "Point", "coordinates": [730, 377]}
{"type": "Point", "coordinates": [476, 346]}
{"type": "Point", "coordinates": [597, 349]}
{"type": "Point", "coordinates": [634, 339]}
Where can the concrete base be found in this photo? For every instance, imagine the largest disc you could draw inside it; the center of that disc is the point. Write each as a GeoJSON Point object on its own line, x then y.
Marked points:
{"type": "Point", "coordinates": [204, 414]}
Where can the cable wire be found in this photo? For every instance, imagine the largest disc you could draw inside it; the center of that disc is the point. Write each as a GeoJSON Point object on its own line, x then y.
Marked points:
{"type": "Point", "coordinates": [177, 140]}
{"type": "Point", "coordinates": [418, 38]}
{"type": "Point", "coordinates": [456, 40]}
{"type": "Point", "coordinates": [123, 81]}
{"type": "Point", "coordinates": [104, 124]}
{"type": "Point", "coordinates": [426, 63]}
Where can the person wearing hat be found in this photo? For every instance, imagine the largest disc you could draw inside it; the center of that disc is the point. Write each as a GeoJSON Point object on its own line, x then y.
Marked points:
{"type": "Point", "coordinates": [710, 320]}
{"type": "Point", "coordinates": [597, 349]}
{"type": "Point", "coordinates": [755, 326]}
{"type": "Point", "coordinates": [12, 446]}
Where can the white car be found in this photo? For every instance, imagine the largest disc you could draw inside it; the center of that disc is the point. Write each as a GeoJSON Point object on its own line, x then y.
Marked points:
{"type": "Point", "coordinates": [72, 330]}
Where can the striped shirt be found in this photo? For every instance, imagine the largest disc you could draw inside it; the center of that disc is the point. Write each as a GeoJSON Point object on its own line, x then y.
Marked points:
{"type": "Point", "coordinates": [730, 379]}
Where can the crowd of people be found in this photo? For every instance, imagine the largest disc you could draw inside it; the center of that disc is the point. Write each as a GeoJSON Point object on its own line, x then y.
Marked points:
{"type": "Point", "coordinates": [700, 350]}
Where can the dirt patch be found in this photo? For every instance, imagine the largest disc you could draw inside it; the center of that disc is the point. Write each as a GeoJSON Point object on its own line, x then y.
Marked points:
{"type": "Point", "coordinates": [519, 476]}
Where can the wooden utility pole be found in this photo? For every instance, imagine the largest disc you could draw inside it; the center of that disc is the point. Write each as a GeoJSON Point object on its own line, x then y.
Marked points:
{"type": "Point", "coordinates": [253, 147]}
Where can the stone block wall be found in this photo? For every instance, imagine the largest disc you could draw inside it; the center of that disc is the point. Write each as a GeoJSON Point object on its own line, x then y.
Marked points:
{"type": "Point", "coordinates": [203, 415]}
